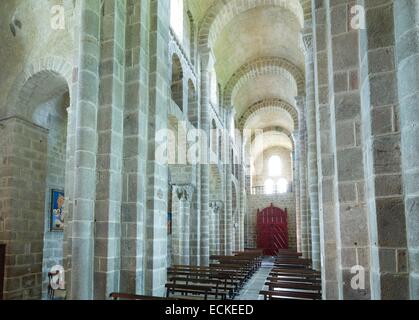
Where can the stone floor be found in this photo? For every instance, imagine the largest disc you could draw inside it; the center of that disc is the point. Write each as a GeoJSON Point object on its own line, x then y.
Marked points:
{"type": "Point", "coordinates": [251, 290]}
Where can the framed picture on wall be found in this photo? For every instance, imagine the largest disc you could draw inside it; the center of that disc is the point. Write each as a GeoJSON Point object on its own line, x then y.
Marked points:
{"type": "Point", "coordinates": [57, 210]}
{"type": "Point", "coordinates": [169, 223]}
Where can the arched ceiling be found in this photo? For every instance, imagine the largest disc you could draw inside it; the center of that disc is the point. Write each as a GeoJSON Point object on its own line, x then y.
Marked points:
{"type": "Point", "coordinates": [262, 119]}
{"type": "Point", "coordinates": [259, 60]}
{"type": "Point", "coordinates": [264, 87]}
{"type": "Point", "coordinates": [259, 32]}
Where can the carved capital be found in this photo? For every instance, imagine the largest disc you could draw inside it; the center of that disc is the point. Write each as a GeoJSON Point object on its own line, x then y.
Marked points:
{"type": "Point", "coordinates": [184, 192]}
{"type": "Point", "coordinates": [308, 42]}
{"type": "Point", "coordinates": [216, 206]}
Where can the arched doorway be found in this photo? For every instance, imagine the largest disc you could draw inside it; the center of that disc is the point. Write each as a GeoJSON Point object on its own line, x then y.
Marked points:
{"type": "Point", "coordinates": [272, 230]}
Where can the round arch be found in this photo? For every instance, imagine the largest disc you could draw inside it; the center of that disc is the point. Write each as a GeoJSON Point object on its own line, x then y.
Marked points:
{"type": "Point", "coordinates": [50, 68]}
{"type": "Point", "coordinates": [269, 105]}
{"type": "Point", "coordinates": [263, 66]}
{"type": "Point", "coordinates": [222, 12]}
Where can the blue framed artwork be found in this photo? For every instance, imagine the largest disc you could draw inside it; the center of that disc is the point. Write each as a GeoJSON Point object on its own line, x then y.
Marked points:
{"type": "Point", "coordinates": [57, 210]}
{"type": "Point", "coordinates": [169, 223]}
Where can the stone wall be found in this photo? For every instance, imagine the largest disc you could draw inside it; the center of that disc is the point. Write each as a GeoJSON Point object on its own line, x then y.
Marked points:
{"type": "Point", "coordinates": [22, 193]}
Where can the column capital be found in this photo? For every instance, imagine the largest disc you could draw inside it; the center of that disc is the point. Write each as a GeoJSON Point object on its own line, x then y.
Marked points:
{"type": "Point", "coordinates": [184, 192]}
{"type": "Point", "coordinates": [216, 205]}
{"type": "Point", "coordinates": [307, 35]}
{"type": "Point", "coordinates": [207, 60]}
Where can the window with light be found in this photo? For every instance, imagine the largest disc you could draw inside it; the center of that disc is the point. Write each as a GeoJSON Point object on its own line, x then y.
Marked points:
{"type": "Point", "coordinates": [176, 18]}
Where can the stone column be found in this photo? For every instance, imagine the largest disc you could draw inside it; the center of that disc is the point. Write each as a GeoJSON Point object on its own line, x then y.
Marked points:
{"type": "Point", "coordinates": [135, 116]}
{"type": "Point", "coordinates": [313, 190]}
{"type": "Point", "coordinates": [182, 194]}
{"type": "Point", "coordinates": [82, 224]}
{"type": "Point", "coordinates": [296, 186]}
{"type": "Point", "coordinates": [382, 156]}
{"type": "Point", "coordinates": [228, 214]}
{"type": "Point", "coordinates": [351, 211]}
{"type": "Point", "coordinates": [110, 151]}
{"type": "Point", "coordinates": [325, 155]}
{"type": "Point", "coordinates": [407, 59]}
{"type": "Point", "coordinates": [206, 66]}
{"type": "Point", "coordinates": [302, 167]}
{"type": "Point", "coordinates": [155, 273]}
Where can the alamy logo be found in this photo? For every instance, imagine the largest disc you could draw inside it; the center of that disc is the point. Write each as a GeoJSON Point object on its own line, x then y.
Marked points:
{"type": "Point", "coordinates": [57, 17]}
{"type": "Point", "coordinates": [358, 280]}
{"type": "Point", "coordinates": [358, 17]}
{"type": "Point", "coordinates": [57, 279]}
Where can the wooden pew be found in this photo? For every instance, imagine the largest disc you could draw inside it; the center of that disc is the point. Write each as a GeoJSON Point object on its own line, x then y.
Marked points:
{"type": "Point", "coordinates": [295, 271]}
{"type": "Point", "coordinates": [219, 289]}
{"type": "Point", "coordinates": [286, 295]}
{"type": "Point", "coordinates": [188, 292]}
{"type": "Point", "coordinates": [127, 296]}
{"type": "Point", "coordinates": [294, 286]}
{"type": "Point", "coordinates": [293, 263]}
{"type": "Point", "coordinates": [230, 282]}
{"type": "Point", "coordinates": [288, 253]}
{"type": "Point", "coordinates": [290, 279]}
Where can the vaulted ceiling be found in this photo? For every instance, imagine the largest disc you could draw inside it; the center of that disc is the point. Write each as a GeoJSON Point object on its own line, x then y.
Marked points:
{"type": "Point", "coordinates": [259, 57]}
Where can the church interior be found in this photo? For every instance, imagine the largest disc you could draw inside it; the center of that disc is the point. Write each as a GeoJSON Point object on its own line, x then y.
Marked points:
{"type": "Point", "coordinates": [209, 149]}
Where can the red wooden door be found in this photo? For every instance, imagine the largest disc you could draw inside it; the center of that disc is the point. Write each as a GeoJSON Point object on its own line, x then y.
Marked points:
{"type": "Point", "coordinates": [272, 230]}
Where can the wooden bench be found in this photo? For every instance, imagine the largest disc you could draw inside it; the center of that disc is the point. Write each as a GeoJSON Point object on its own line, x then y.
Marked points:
{"type": "Point", "coordinates": [288, 253]}
{"type": "Point", "coordinates": [290, 279]}
{"type": "Point", "coordinates": [294, 276]}
{"type": "Point", "coordinates": [127, 296]}
{"type": "Point", "coordinates": [228, 282]}
{"type": "Point", "coordinates": [294, 286]}
{"type": "Point", "coordinates": [286, 295]}
{"type": "Point", "coordinates": [293, 263]}
{"type": "Point", "coordinates": [219, 288]}
{"type": "Point", "coordinates": [188, 292]}
{"type": "Point", "coordinates": [215, 272]}
{"type": "Point", "coordinates": [295, 271]}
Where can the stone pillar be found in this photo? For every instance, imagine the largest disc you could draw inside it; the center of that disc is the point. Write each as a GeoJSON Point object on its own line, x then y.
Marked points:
{"type": "Point", "coordinates": [82, 224]}
{"type": "Point", "coordinates": [206, 66]}
{"type": "Point", "coordinates": [136, 110]}
{"type": "Point", "coordinates": [407, 59]}
{"type": "Point", "coordinates": [182, 196]}
{"type": "Point", "coordinates": [296, 187]}
{"type": "Point", "coordinates": [228, 214]}
{"type": "Point", "coordinates": [313, 190]}
{"type": "Point", "coordinates": [382, 156]}
{"type": "Point", "coordinates": [351, 211]}
{"type": "Point", "coordinates": [301, 146]}
{"type": "Point", "coordinates": [325, 155]}
{"type": "Point", "coordinates": [110, 151]}
{"type": "Point", "coordinates": [155, 273]}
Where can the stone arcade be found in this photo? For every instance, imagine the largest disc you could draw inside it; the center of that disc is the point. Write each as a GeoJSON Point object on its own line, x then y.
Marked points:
{"type": "Point", "coordinates": [280, 102]}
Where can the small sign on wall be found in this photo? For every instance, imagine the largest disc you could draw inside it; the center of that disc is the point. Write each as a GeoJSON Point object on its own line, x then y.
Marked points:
{"type": "Point", "coordinates": [57, 210]}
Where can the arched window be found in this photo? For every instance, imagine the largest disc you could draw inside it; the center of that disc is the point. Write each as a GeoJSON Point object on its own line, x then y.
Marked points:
{"type": "Point", "coordinates": [282, 186]}
{"type": "Point", "coordinates": [275, 166]}
{"type": "Point", "coordinates": [214, 88]}
{"type": "Point", "coordinates": [269, 186]}
{"type": "Point", "coordinates": [177, 82]}
{"type": "Point", "coordinates": [232, 128]}
{"type": "Point", "coordinates": [176, 18]}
